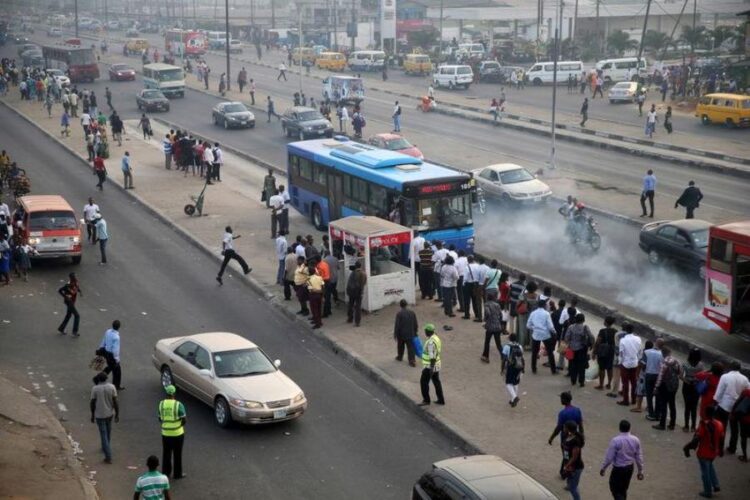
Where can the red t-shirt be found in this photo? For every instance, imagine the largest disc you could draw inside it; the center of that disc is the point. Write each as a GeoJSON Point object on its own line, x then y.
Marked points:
{"type": "Point", "coordinates": [504, 291]}
{"type": "Point", "coordinates": [709, 433]}
{"type": "Point", "coordinates": [99, 164]}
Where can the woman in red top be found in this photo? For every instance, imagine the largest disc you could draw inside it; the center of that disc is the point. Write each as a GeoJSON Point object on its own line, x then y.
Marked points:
{"type": "Point", "coordinates": [711, 377]}
{"type": "Point", "coordinates": [504, 290]}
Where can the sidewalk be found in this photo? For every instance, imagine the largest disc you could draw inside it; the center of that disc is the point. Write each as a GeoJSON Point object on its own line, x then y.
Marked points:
{"type": "Point", "coordinates": [36, 456]}
{"type": "Point", "coordinates": [477, 403]}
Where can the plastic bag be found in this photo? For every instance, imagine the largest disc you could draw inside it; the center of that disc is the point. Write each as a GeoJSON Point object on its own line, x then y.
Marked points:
{"type": "Point", "coordinates": [417, 343]}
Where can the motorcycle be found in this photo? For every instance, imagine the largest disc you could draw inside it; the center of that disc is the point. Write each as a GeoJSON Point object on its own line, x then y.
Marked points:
{"type": "Point", "coordinates": [480, 201]}
{"type": "Point", "coordinates": [582, 229]}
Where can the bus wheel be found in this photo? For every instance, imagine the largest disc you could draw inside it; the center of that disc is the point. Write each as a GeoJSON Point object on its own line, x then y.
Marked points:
{"type": "Point", "coordinates": [317, 217]}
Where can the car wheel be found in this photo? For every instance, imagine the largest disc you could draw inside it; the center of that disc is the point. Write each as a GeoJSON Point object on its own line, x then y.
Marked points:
{"type": "Point", "coordinates": [730, 123]}
{"type": "Point", "coordinates": [139, 106]}
{"type": "Point", "coordinates": [317, 217]}
{"type": "Point", "coordinates": [654, 257]}
{"type": "Point", "coordinates": [705, 120]}
{"type": "Point", "coordinates": [611, 101]}
{"type": "Point", "coordinates": [506, 200]}
{"type": "Point", "coordinates": [166, 376]}
{"type": "Point", "coordinates": [226, 124]}
{"type": "Point", "coordinates": [222, 414]}
{"type": "Point", "coordinates": [537, 82]}
{"type": "Point", "coordinates": [301, 135]}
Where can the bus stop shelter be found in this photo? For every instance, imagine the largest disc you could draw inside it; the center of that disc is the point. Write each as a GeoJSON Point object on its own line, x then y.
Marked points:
{"type": "Point", "coordinates": [382, 247]}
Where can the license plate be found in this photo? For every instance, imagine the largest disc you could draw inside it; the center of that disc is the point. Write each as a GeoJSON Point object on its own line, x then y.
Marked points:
{"type": "Point", "coordinates": [537, 198]}
{"type": "Point", "coordinates": [279, 413]}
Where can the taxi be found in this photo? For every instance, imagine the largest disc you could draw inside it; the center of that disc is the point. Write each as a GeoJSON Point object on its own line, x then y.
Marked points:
{"type": "Point", "coordinates": [332, 61]}
{"type": "Point", "coordinates": [307, 54]}
{"type": "Point", "coordinates": [732, 110]}
{"type": "Point", "coordinates": [417, 64]}
{"type": "Point", "coordinates": [136, 45]}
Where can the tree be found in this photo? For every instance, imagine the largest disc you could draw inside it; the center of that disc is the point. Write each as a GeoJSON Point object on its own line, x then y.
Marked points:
{"type": "Point", "coordinates": [619, 41]}
{"type": "Point", "coordinates": [423, 38]}
{"type": "Point", "coordinates": [695, 37]}
{"type": "Point", "coordinates": [656, 41]}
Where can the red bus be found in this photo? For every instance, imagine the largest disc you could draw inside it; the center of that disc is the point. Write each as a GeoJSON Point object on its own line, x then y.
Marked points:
{"type": "Point", "coordinates": [727, 296]}
{"type": "Point", "coordinates": [188, 43]}
{"type": "Point", "coordinates": [79, 62]}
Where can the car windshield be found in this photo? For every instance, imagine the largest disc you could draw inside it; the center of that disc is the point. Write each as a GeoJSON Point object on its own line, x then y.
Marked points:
{"type": "Point", "coordinates": [463, 71]}
{"type": "Point", "coordinates": [153, 94]}
{"type": "Point", "coordinates": [700, 238]}
{"type": "Point", "coordinates": [120, 67]}
{"type": "Point", "coordinates": [57, 219]}
{"type": "Point", "coordinates": [242, 363]}
{"type": "Point", "coordinates": [397, 144]}
{"type": "Point", "coordinates": [305, 116]}
{"type": "Point", "coordinates": [235, 108]}
{"type": "Point", "coordinates": [491, 65]}
{"type": "Point", "coordinates": [515, 176]}
{"type": "Point", "coordinates": [444, 212]}
{"type": "Point", "coordinates": [169, 75]}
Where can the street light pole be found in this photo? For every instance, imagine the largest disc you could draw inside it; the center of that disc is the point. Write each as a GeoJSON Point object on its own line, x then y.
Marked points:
{"type": "Point", "coordinates": [441, 30]}
{"type": "Point", "coordinates": [226, 41]}
{"type": "Point", "coordinates": [558, 33]}
{"type": "Point", "coordinates": [299, 27]}
{"type": "Point", "coordinates": [76, 16]}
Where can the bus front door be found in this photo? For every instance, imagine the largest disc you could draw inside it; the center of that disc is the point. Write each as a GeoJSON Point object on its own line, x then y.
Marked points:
{"type": "Point", "coordinates": [335, 195]}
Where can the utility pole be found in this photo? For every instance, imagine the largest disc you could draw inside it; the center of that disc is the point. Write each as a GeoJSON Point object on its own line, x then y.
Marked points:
{"type": "Point", "coordinates": [106, 14]}
{"type": "Point", "coordinates": [575, 25]}
{"type": "Point", "coordinates": [556, 56]}
{"type": "Point", "coordinates": [76, 16]}
{"type": "Point", "coordinates": [226, 41]}
{"type": "Point", "coordinates": [441, 28]}
{"type": "Point", "coordinates": [643, 35]}
{"type": "Point", "coordinates": [273, 14]}
{"type": "Point", "coordinates": [335, 25]}
{"type": "Point", "coordinates": [695, 19]}
{"type": "Point", "coordinates": [598, 30]}
{"type": "Point", "coordinates": [354, 23]}
{"type": "Point", "coordinates": [301, 43]}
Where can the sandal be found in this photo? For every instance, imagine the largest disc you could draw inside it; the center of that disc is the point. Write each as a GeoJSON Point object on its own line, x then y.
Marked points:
{"type": "Point", "coordinates": [742, 458]}
{"type": "Point", "coordinates": [636, 410]}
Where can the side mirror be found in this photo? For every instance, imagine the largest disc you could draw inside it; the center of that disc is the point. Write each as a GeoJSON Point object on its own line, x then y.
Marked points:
{"type": "Point", "coordinates": [277, 363]}
{"type": "Point", "coordinates": [206, 373]}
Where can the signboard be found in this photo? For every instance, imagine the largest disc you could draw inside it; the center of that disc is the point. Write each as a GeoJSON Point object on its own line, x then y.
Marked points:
{"type": "Point", "coordinates": [717, 304]}
{"type": "Point", "coordinates": [387, 19]}
{"type": "Point", "coordinates": [390, 239]}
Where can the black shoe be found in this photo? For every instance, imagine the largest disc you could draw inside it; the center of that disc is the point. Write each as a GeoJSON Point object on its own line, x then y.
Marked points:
{"type": "Point", "coordinates": [218, 278]}
{"type": "Point", "coordinates": [120, 388]}
{"type": "Point", "coordinates": [659, 427]}
{"type": "Point", "coordinates": [652, 418]}
{"type": "Point", "coordinates": [441, 402]}
{"type": "Point", "coordinates": [249, 269]}
{"type": "Point", "coordinates": [424, 403]}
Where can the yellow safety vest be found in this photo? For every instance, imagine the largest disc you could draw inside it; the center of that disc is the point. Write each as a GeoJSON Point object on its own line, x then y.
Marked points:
{"type": "Point", "coordinates": [434, 339]}
{"type": "Point", "coordinates": [171, 423]}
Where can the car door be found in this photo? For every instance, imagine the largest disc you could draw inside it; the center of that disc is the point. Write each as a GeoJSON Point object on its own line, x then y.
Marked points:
{"type": "Point", "coordinates": [293, 124]}
{"type": "Point", "coordinates": [488, 180]}
{"type": "Point", "coordinates": [203, 383]}
{"type": "Point", "coordinates": [181, 362]}
{"type": "Point", "coordinates": [683, 248]}
{"type": "Point", "coordinates": [666, 244]}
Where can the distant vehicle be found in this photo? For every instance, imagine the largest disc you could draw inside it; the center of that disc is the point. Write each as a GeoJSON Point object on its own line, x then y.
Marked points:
{"type": "Point", "coordinates": [230, 374]}
{"type": "Point", "coordinates": [542, 73]}
{"type": "Point", "coordinates": [621, 70]}
{"type": "Point", "coordinates": [132, 33]}
{"type": "Point", "coordinates": [333, 61]}
{"type": "Point", "coordinates": [235, 46]}
{"type": "Point", "coordinates": [307, 54]}
{"type": "Point", "coordinates": [304, 123]}
{"type": "Point", "coordinates": [20, 40]}
{"type": "Point", "coordinates": [478, 477]}
{"type": "Point", "coordinates": [343, 89]}
{"type": "Point", "coordinates": [113, 25]}
{"type": "Point", "coordinates": [512, 184]}
{"type": "Point", "coordinates": [136, 45]}
{"type": "Point", "coordinates": [232, 115]}
{"type": "Point", "coordinates": [33, 59]}
{"type": "Point", "coordinates": [471, 50]}
{"type": "Point", "coordinates": [191, 43]}
{"type": "Point", "coordinates": [623, 92]}
{"type": "Point", "coordinates": [491, 71]}
{"type": "Point", "coordinates": [217, 39]}
{"type": "Point", "coordinates": [59, 76]}
{"type": "Point", "coordinates": [684, 242]}
{"type": "Point", "coordinates": [151, 100]}
{"type": "Point", "coordinates": [121, 72]}
{"type": "Point", "coordinates": [79, 62]}
{"type": "Point", "coordinates": [54, 32]}
{"type": "Point", "coordinates": [366, 60]}
{"type": "Point", "coordinates": [417, 64]}
{"type": "Point", "coordinates": [453, 76]}
{"type": "Point", "coordinates": [164, 77]}
{"type": "Point", "coordinates": [28, 46]}
{"type": "Point", "coordinates": [394, 142]}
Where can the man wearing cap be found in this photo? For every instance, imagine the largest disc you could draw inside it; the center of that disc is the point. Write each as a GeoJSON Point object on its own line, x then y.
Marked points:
{"type": "Point", "coordinates": [172, 417]}
{"type": "Point", "coordinates": [431, 355]}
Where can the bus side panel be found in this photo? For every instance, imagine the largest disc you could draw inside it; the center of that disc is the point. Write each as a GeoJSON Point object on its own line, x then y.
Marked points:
{"type": "Point", "coordinates": [303, 200]}
{"type": "Point", "coordinates": [463, 237]}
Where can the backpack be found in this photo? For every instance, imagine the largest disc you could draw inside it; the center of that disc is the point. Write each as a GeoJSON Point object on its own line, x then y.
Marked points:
{"type": "Point", "coordinates": [515, 357]}
{"type": "Point", "coordinates": [672, 378]}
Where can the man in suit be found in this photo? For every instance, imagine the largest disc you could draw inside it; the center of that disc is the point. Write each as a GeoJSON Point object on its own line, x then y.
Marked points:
{"type": "Point", "coordinates": [690, 199]}
{"type": "Point", "coordinates": [404, 330]}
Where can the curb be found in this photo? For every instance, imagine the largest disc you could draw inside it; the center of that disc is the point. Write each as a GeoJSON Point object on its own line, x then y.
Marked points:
{"type": "Point", "coordinates": [380, 378]}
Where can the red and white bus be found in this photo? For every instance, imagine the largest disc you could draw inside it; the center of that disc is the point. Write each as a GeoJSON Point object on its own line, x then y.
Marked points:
{"type": "Point", "coordinates": [727, 296]}
{"type": "Point", "coordinates": [79, 62]}
{"type": "Point", "coordinates": [188, 43]}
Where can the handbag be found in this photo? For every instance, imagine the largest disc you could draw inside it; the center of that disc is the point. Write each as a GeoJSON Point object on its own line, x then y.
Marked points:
{"type": "Point", "coordinates": [522, 307]}
{"type": "Point", "coordinates": [263, 195]}
{"type": "Point", "coordinates": [701, 387]}
{"type": "Point", "coordinates": [98, 363]}
{"type": "Point", "coordinates": [569, 353]}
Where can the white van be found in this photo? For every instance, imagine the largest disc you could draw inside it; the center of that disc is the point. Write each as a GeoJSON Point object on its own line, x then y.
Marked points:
{"type": "Point", "coordinates": [165, 77]}
{"type": "Point", "coordinates": [621, 70]}
{"type": "Point", "coordinates": [474, 50]}
{"type": "Point", "coordinates": [453, 75]}
{"type": "Point", "coordinates": [367, 60]}
{"type": "Point", "coordinates": [217, 39]}
{"type": "Point", "coordinates": [542, 72]}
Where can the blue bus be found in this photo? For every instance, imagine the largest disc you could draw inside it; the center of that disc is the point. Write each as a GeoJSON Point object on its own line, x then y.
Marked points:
{"type": "Point", "coordinates": [334, 178]}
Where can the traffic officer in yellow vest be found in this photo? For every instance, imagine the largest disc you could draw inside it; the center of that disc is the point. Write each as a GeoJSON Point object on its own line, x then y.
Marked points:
{"type": "Point", "coordinates": [172, 417]}
{"type": "Point", "coordinates": [431, 354]}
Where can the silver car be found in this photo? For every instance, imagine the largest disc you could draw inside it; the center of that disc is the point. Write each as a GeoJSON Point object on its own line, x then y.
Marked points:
{"type": "Point", "coordinates": [512, 184]}
{"type": "Point", "coordinates": [232, 375]}
{"type": "Point", "coordinates": [623, 92]}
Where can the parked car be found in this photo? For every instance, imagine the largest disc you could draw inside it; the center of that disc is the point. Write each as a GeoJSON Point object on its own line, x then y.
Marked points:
{"type": "Point", "coordinates": [478, 477]}
{"type": "Point", "coordinates": [59, 76]}
{"type": "Point", "coordinates": [303, 122]}
{"type": "Point", "coordinates": [152, 100]}
{"type": "Point", "coordinates": [120, 72]}
{"type": "Point", "coordinates": [623, 92]}
{"type": "Point", "coordinates": [230, 374]}
{"type": "Point", "coordinates": [512, 184]}
{"type": "Point", "coordinates": [453, 76]}
{"type": "Point", "coordinates": [491, 71]}
{"type": "Point", "coordinates": [235, 46]}
{"type": "Point", "coordinates": [684, 242]}
{"type": "Point", "coordinates": [232, 115]}
{"type": "Point", "coordinates": [394, 142]}
{"type": "Point", "coordinates": [54, 32]}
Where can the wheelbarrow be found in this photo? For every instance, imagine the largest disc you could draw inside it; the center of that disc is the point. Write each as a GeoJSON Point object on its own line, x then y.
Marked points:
{"type": "Point", "coordinates": [197, 205]}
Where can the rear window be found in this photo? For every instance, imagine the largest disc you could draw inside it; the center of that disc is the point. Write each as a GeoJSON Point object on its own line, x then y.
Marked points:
{"type": "Point", "coordinates": [57, 219]}
{"type": "Point", "coordinates": [464, 70]}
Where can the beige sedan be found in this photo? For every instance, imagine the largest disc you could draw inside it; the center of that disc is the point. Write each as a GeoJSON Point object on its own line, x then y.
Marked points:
{"type": "Point", "coordinates": [231, 374]}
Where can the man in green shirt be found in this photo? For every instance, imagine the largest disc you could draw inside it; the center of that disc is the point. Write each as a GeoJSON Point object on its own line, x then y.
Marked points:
{"type": "Point", "coordinates": [152, 485]}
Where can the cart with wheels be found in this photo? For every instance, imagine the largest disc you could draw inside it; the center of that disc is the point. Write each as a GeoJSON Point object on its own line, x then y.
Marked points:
{"type": "Point", "coordinates": [197, 205]}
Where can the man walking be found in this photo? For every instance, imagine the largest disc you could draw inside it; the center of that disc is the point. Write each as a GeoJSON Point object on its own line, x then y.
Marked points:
{"type": "Point", "coordinates": [542, 332]}
{"type": "Point", "coordinates": [708, 441]}
{"type": "Point", "coordinates": [731, 385]}
{"type": "Point", "coordinates": [282, 72]}
{"type": "Point", "coordinates": [648, 192]}
{"type": "Point", "coordinates": [102, 236]}
{"type": "Point", "coordinates": [252, 92]}
{"type": "Point", "coordinates": [110, 349]}
{"type": "Point", "coordinates": [584, 111]}
{"type": "Point", "coordinates": [624, 450]}
{"type": "Point", "coordinates": [651, 122]}
{"type": "Point", "coordinates": [89, 214]}
{"type": "Point", "coordinates": [431, 354]}
{"type": "Point", "coordinates": [355, 287]}
{"type": "Point", "coordinates": [269, 187]}
{"type": "Point", "coordinates": [108, 96]}
{"type": "Point", "coordinates": [153, 485]}
{"type": "Point", "coordinates": [172, 416]}
{"type": "Point", "coordinates": [651, 364]}
{"type": "Point", "coordinates": [104, 407]}
{"type": "Point", "coordinates": [690, 199]}
{"type": "Point", "coordinates": [271, 109]}
{"type": "Point", "coordinates": [227, 250]}
{"type": "Point", "coordinates": [242, 79]}
{"type": "Point", "coordinates": [69, 292]}
{"type": "Point", "coordinates": [630, 353]}
{"type": "Point", "coordinates": [405, 329]}
{"type": "Point", "coordinates": [127, 171]}
{"type": "Point", "coordinates": [568, 413]}
{"type": "Point", "coordinates": [397, 117]}
{"type": "Point", "coordinates": [100, 169]}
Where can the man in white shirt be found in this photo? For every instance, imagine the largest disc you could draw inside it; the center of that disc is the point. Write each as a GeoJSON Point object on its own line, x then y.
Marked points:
{"type": "Point", "coordinates": [281, 247]}
{"type": "Point", "coordinates": [227, 250]}
{"type": "Point", "coordinates": [472, 289]}
{"type": "Point", "coordinates": [284, 214]}
{"type": "Point", "coordinates": [208, 161]}
{"type": "Point", "coordinates": [542, 329]}
{"type": "Point", "coordinates": [731, 385]}
{"type": "Point", "coordinates": [462, 266]}
{"type": "Point", "coordinates": [276, 202]}
{"type": "Point", "coordinates": [85, 123]}
{"type": "Point", "coordinates": [438, 257]}
{"type": "Point", "coordinates": [89, 214]}
{"type": "Point", "coordinates": [218, 162]}
{"type": "Point", "coordinates": [630, 354]}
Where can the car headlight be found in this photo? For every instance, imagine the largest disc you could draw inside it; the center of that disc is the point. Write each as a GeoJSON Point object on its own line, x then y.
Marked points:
{"type": "Point", "coordinates": [246, 404]}
{"type": "Point", "coordinates": [34, 241]}
{"type": "Point", "coordinates": [308, 128]}
{"type": "Point", "coordinates": [76, 239]}
{"type": "Point", "coordinates": [299, 397]}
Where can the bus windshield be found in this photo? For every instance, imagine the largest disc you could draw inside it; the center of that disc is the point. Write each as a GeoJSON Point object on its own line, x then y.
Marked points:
{"type": "Point", "coordinates": [441, 213]}
{"type": "Point", "coordinates": [169, 75]}
{"type": "Point", "coordinates": [45, 221]}
{"type": "Point", "coordinates": [79, 57]}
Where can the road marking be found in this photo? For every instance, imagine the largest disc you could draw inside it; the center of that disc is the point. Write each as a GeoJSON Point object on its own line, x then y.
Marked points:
{"type": "Point", "coordinates": [50, 384]}
{"type": "Point", "coordinates": [62, 407]}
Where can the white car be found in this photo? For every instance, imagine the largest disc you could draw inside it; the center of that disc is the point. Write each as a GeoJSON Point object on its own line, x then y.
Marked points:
{"type": "Point", "coordinates": [453, 76]}
{"type": "Point", "coordinates": [235, 46]}
{"type": "Point", "coordinates": [512, 184]}
{"type": "Point", "coordinates": [230, 374]}
{"type": "Point", "coordinates": [60, 77]}
{"type": "Point", "coordinates": [622, 92]}
{"type": "Point", "coordinates": [54, 32]}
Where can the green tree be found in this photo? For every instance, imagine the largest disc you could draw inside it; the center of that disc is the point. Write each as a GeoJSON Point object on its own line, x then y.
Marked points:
{"type": "Point", "coordinates": [695, 37]}
{"type": "Point", "coordinates": [618, 42]}
{"type": "Point", "coordinates": [656, 41]}
{"type": "Point", "coordinates": [423, 38]}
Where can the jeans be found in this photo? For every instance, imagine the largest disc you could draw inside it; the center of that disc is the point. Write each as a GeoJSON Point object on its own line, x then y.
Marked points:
{"type": "Point", "coordinates": [666, 398]}
{"type": "Point", "coordinates": [354, 308]}
{"type": "Point", "coordinates": [105, 433]}
{"type": "Point", "coordinates": [288, 285]}
{"type": "Point", "coordinates": [328, 297]}
{"type": "Point", "coordinates": [113, 366]}
{"type": "Point", "coordinates": [573, 479]}
{"type": "Point", "coordinates": [708, 476]}
{"type": "Point", "coordinates": [172, 447]}
{"type": "Point", "coordinates": [397, 123]}
{"type": "Point", "coordinates": [436, 285]}
{"type": "Point", "coordinates": [230, 254]}
{"type": "Point", "coordinates": [549, 346]}
{"type": "Point", "coordinates": [71, 311]}
{"type": "Point", "coordinates": [448, 294]}
{"type": "Point", "coordinates": [103, 249]}
{"type": "Point", "coordinates": [280, 273]}
{"type": "Point", "coordinates": [424, 384]}
{"type": "Point", "coordinates": [102, 177]}
{"type": "Point", "coordinates": [127, 179]}
{"type": "Point", "coordinates": [284, 220]}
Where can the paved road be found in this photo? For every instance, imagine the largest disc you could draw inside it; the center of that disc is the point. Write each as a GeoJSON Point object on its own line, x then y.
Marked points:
{"type": "Point", "coordinates": [354, 442]}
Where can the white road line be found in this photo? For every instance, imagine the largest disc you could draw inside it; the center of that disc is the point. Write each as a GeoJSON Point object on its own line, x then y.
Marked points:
{"type": "Point", "coordinates": [62, 407]}
{"type": "Point", "coordinates": [50, 384]}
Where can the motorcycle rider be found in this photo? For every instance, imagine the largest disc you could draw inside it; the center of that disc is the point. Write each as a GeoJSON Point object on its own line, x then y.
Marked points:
{"type": "Point", "coordinates": [578, 220]}
{"type": "Point", "coordinates": [567, 211]}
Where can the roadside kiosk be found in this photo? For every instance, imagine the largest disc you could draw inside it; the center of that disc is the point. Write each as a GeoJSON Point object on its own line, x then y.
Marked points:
{"type": "Point", "coordinates": [380, 246]}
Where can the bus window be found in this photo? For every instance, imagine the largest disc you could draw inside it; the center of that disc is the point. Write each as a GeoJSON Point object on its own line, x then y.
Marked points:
{"type": "Point", "coordinates": [305, 169]}
{"type": "Point", "coordinates": [294, 162]}
{"type": "Point", "coordinates": [438, 213]}
{"type": "Point", "coordinates": [721, 255]}
{"type": "Point", "coordinates": [347, 186]}
{"type": "Point", "coordinates": [359, 190]}
{"type": "Point", "coordinates": [378, 195]}
{"type": "Point", "coordinates": [319, 174]}
{"type": "Point", "coordinates": [41, 221]}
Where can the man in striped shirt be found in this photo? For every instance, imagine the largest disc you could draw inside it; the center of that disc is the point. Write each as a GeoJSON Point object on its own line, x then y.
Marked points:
{"type": "Point", "coordinates": [153, 485]}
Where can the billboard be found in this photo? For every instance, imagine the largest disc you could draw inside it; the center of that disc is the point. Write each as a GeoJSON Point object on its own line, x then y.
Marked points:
{"type": "Point", "coordinates": [387, 19]}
